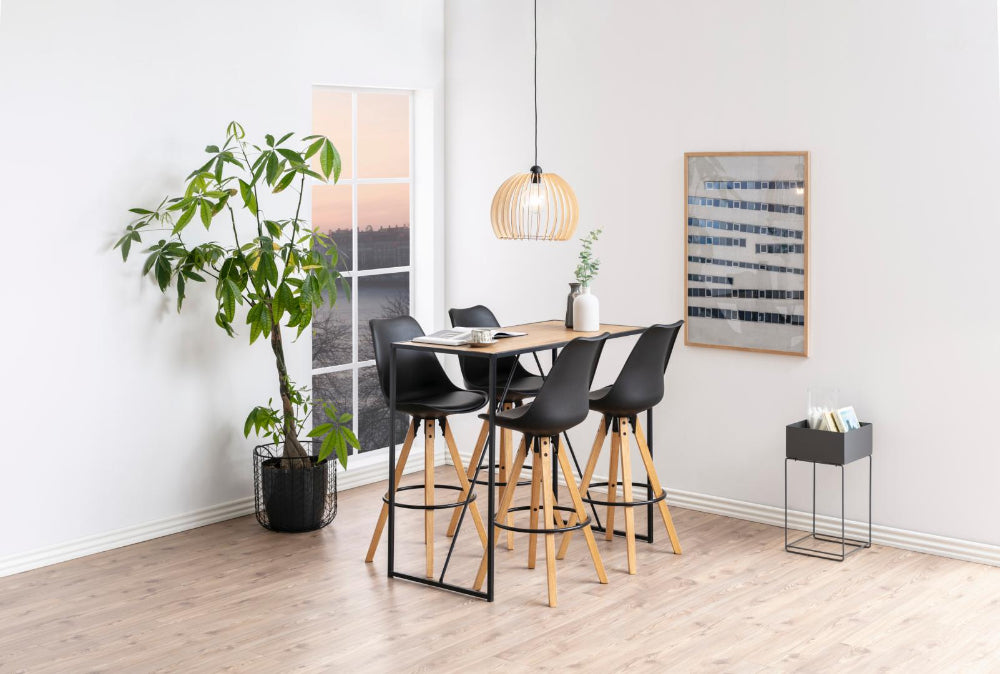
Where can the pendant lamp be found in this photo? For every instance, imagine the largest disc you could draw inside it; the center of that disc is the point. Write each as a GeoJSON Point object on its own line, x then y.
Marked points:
{"type": "Point", "coordinates": [535, 205]}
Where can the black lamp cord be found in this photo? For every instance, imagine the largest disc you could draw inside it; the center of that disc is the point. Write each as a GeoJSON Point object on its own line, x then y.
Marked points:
{"type": "Point", "coordinates": [536, 82]}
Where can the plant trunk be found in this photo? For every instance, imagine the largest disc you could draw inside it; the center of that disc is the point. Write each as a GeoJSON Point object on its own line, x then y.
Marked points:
{"type": "Point", "coordinates": [292, 447]}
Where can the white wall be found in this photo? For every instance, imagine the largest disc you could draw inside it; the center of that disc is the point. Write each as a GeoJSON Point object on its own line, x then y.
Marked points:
{"type": "Point", "coordinates": [116, 411]}
{"type": "Point", "coordinates": [896, 100]}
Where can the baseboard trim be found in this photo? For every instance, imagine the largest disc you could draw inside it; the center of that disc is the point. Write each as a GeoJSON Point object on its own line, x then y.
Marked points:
{"type": "Point", "coordinates": [916, 541]}
{"type": "Point", "coordinates": [90, 545]}
{"type": "Point", "coordinates": [969, 551]}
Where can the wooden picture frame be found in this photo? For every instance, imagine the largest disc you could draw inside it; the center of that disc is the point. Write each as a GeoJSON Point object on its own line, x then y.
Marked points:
{"type": "Point", "coordinates": [746, 251]}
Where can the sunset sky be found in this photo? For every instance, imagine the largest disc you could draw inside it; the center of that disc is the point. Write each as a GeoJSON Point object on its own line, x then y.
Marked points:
{"type": "Point", "coordinates": [383, 152]}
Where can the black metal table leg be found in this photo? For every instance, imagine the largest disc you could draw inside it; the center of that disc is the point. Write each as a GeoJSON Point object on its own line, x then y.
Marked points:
{"type": "Point", "coordinates": [491, 483]}
{"type": "Point", "coordinates": [392, 460]}
{"type": "Point", "coordinates": [649, 484]}
{"type": "Point", "coordinates": [555, 457]}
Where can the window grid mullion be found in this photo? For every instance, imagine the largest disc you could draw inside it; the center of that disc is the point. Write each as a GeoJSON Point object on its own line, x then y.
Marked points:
{"type": "Point", "coordinates": [355, 299]}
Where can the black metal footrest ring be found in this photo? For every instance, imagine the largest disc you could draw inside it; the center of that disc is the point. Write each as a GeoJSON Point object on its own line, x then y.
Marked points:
{"type": "Point", "coordinates": [626, 504]}
{"type": "Point", "coordinates": [424, 506]}
{"type": "Point", "coordinates": [498, 483]}
{"type": "Point", "coordinates": [549, 530]}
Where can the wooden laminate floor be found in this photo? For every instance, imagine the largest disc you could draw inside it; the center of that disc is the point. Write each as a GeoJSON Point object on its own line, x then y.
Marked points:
{"type": "Point", "coordinates": [234, 597]}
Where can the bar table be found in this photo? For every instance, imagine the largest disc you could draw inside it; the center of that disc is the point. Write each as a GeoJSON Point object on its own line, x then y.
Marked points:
{"type": "Point", "coordinates": [539, 336]}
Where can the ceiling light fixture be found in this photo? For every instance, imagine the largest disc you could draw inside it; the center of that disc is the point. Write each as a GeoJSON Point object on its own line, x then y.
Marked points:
{"type": "Point", "coordinates": [535, 205]}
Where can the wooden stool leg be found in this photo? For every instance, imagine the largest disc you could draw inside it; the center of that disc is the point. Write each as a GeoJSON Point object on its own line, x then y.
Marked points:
{"type": "Point", "coordinates": [505, 501]}
{"type": "Point", "coordinates": [536, 488]}
{"type": "Point", "coordinates": [506, 455]}
{"type": "Point", "coordinates": [429, 495]}
{"type": "Point", "coordinates": [477, 452]}
{"type": "Point", "coordinates": [404, 454]}
{"type": "Point", "coordinates": [588, 474]}
{"type": "Point", "coordinates": [625, 451]}
{"type": "Point", "coordinates": [557, 518]}
{"type": "Point", "coordinates": [609, 524]}
{"type": "Point", "coordinates": [647, 459]}
{"type": "Point", "coordinates": [545, 457]}
{"type": "Point", "coordinates": [581, 513]}
{"type": "Point", "coordinates": [464, 482]}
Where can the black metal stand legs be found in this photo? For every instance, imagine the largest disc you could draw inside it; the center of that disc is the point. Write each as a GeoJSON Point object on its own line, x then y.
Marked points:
{"type": "Point", "coordinates": [843, 541]}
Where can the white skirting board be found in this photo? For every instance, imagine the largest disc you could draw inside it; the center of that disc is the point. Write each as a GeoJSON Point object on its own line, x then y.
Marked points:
{"type": "Point", "coordinates": [954, 548]}
{"type": "Point", "coordinates": [89, 545]}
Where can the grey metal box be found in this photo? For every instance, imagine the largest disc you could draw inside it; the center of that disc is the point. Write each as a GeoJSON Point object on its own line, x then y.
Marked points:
{"type": "Point", "coordinates": [809, 444]}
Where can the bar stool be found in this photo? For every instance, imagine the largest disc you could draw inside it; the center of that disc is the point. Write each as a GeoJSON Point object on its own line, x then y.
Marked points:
{"type": "Point", "coordinates": [516, 380]}
{"type": "Point", "coordinates": [561, 404]}
{"type": "Point", "coordinates": [639, 387]}
{"type": "Point", "coordinates": [424, 391]}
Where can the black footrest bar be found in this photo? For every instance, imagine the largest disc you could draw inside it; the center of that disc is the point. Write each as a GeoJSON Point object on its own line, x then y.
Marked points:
{"type": "Point", "coordinates": [436, 506]}
{"type": "Point", "coordinates": [627, 504]}
{"type": "Point", "coordinates": [550, 530]}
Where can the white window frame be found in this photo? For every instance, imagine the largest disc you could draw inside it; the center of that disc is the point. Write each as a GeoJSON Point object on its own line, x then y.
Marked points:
{"type": "Point", "coordinates": [357, 458]}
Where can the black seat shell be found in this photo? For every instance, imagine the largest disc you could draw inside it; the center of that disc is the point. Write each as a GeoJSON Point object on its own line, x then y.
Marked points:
{"type": "Point", "coordinates": [639, 385]}
{"type": "Point", "coordinates": [562, 401]}
{"type": "Point", "coordinates": [475, 371]}
{"type": "Point", "coordinates": [423, 389]}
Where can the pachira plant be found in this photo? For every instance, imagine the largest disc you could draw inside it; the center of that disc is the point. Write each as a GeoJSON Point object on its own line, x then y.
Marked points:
{"type": "Point", "coordinates": [280, 274]}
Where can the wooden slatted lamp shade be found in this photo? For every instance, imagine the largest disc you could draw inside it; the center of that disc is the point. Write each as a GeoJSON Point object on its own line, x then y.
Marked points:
{"type": "Point", "coordinates": [535, 205]}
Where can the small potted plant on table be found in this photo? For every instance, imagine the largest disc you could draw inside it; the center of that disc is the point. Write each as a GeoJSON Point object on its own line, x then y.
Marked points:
{"type": "Point", "coordinates": [279, 274]}
{"type": "Point", "coordinates": [586, 307]}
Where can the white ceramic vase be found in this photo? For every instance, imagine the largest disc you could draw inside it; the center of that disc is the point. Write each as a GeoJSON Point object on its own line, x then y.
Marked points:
{"type": "Point", "coordinates": [586, 311]}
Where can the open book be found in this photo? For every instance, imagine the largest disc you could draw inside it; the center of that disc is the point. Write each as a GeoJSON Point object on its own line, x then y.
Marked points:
{"type": "Point", "coordinates": [460, 335]}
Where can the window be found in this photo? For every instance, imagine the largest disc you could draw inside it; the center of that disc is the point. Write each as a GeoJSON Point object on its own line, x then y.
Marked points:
{"type": "Point", "coordinates": [368, 214]}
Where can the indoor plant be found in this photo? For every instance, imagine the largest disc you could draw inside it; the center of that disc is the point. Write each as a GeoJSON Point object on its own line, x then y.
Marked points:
{"type": "Point", "coordinates": [586, 308]}
{"type": "Point", "coordinates": [280, 273]}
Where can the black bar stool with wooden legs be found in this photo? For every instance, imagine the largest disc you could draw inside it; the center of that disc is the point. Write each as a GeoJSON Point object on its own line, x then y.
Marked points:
{"type": "Point", "coordinates": [424, 391]}
{"type": "Point", "coordinates": [519, 383]}
{"type": "Point", "coordinates": [561, 404]}
{"type": "Point", "coordinates": [639, 387]}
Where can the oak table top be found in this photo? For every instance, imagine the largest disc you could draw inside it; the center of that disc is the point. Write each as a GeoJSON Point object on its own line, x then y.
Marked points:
{"type": "Point", "coordinates": [540, 335]}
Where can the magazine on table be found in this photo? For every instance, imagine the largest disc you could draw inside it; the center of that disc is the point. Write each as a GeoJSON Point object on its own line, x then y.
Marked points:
{"type": "Point", "coordinates": [458, 336]}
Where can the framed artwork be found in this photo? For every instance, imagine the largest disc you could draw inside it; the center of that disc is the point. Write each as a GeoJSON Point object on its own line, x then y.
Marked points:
{"type": "Point", "coordinates": [746, 251]}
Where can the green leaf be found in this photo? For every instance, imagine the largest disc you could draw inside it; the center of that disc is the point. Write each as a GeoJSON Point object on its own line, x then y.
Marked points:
{"type": "Point", "coordinates": [140, 211]}
{"type": "Point", "coordinates": [273, 228]}
{"type": "Point", "coordinates": [328, 156]}
{"type": "Point", "coordinates": [185, 217]}
{"type": "Point", "coordinates": [322, 429]}
{"type": "Point", "coordinates": [314, 147]}
{"type": "Point", "coordinates": [309, 172]}
{"type": "Point", "coordinates": [162, 270]}
{"type": "Point", "coordinates": [352, 439]}
{"type": "Point", "coordinates": [284, 138]}
{"type": "Point", "coordinates": [269, 139]}
{"type": "Point", "coordinates": [291, 155]}
{"type": "Point", "coordinates": [180, 292]}
{"type": "Point", "coordinates": [285, 181]}
{"type": "Point", "coordinates": [273, 169]}
{"type": "Point", "coordinates": [246, 192]}
{"type": "Point", "coordinates": [206, 212]}
{"type": "Point", "coordinates": [229, 304]}
{"type": "Point", "coordinates": [126, 244]}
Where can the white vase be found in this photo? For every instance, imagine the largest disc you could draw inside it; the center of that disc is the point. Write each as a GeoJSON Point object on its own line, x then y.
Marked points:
{"type": "Point", "coordinates": [586, 311]}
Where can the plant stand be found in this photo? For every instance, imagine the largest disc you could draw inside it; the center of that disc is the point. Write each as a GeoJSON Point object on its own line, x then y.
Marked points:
{"type": "Point", "coordinates": [834, 449]}
{"type": "Point", "coordinates": [294, 495]}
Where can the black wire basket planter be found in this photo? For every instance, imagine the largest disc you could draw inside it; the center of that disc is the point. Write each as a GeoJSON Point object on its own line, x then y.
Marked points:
{"type": "Point", "coordinates": [296, 494]}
